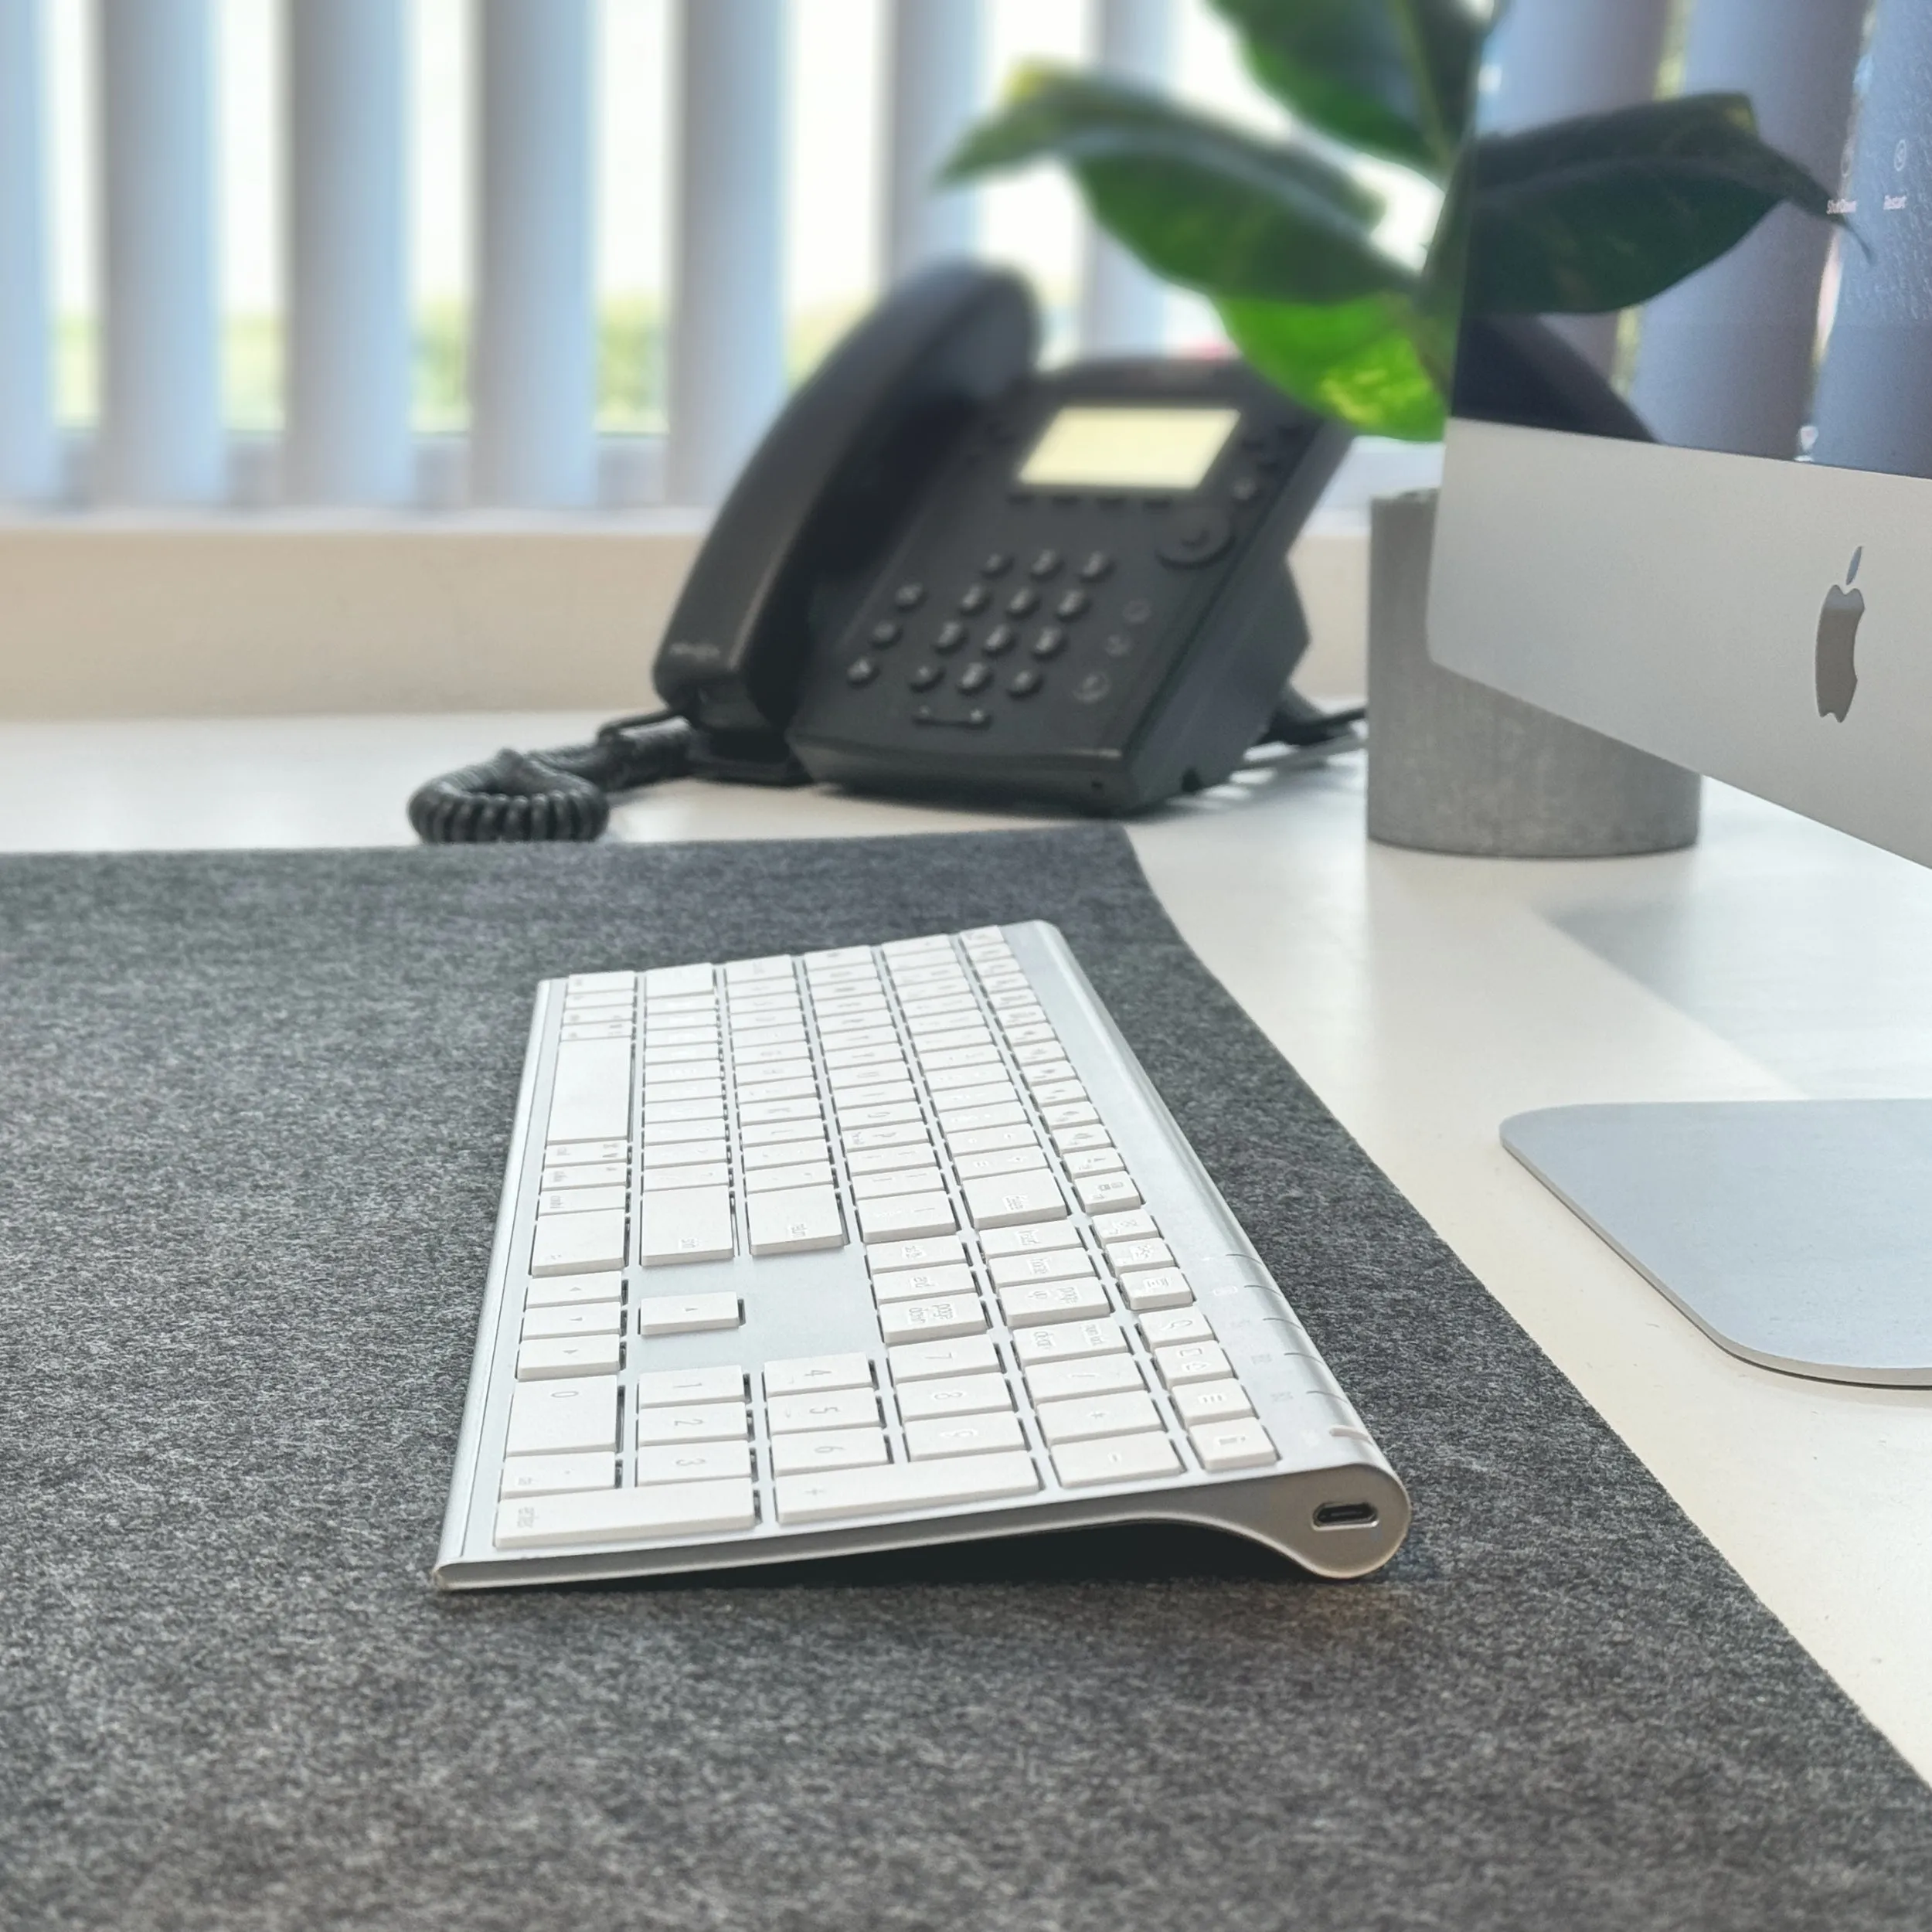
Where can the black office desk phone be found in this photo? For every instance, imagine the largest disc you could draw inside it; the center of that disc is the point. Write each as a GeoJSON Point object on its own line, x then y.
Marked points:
{"type": "Point", "coordinates": [944, 571]}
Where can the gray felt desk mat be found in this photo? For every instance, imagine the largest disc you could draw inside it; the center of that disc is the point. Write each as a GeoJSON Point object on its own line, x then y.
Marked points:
{"type": "Point", "coordinates": [253, 1111]}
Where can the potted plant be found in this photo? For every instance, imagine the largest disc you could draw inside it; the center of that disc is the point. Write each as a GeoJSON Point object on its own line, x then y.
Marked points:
{"type": "Point", "coordinates": [1298, 239]}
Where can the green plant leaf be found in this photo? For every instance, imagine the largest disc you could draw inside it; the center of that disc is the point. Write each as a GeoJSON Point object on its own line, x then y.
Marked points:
{"type": "Point", "coordinates": [1202, 203]}
{"type": "Point", "coordinates": [1395, 77]}
{"type": "Point", "coordinates": [1355, 361]}
{"type": "Point", "coordinates": [1608, 210]}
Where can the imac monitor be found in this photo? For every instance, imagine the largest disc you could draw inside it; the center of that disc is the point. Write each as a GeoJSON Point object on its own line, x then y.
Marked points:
{"type": "Point", "coordinates": [1748, 594]}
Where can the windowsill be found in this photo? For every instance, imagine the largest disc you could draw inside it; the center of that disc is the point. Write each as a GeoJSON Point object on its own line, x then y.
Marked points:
{"type": "Point", "coordinates": [127, 614]}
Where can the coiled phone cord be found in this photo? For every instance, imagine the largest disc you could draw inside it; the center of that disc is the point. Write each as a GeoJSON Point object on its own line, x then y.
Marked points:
{"type": "Point", "coordinates": [520, 797]}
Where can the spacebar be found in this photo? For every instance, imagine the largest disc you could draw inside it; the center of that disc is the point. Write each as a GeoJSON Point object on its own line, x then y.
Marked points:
{"type": "Point", "coordinates": [829, 1493]}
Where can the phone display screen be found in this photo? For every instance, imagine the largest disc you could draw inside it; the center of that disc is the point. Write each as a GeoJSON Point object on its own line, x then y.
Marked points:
{"type": "Point", "coordinates": [1163, 448]}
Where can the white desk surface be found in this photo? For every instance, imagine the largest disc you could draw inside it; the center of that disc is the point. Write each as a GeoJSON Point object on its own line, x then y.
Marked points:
{"type": "Point", "coordinates": [1424, 999]}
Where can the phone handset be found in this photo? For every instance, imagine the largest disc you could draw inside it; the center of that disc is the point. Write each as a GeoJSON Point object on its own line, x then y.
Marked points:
{"type": "Point", "coordinates": [822, 495]}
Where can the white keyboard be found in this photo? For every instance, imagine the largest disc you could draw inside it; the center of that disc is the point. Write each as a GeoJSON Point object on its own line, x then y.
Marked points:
{"type": "Point", "coordinates": [870, 1248]}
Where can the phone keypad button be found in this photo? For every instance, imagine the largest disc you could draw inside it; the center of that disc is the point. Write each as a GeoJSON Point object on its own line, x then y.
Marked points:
{"type": "Point", "coordinates": [885, 635]}
{"type": "Point", "coordinates": [1024, 602]}
{"type": "Point", "coordinates": [910, 596]}
{"type": "Point", "coordinates": [996, 565]}
{"type": "Point", "coordinates": [861, 671]}
{"type": "Point", "coordinates": [1050, 643]}
{"type": "Point", "coordinates": [1000, 640]}
{"type": "Point", "coordinates": [1074, 604]}
{"type": "Point", "coordinates": [1137, 610]}
{"type": "Point", "coordinates": [1045, 564]}
{"type": "Point", "coordinates": [977, 598]}
{"type": "Point", "coordinates": [1023, 684]}
{"type": "Point", "coordinates": [1245, 489]}
{"type": "Point", "coordinates": [976, 677]}
{"type": "Point", "coordinates": [1097, 566]}
{"type": "Point", "coordinates": [925, 677]}
{"type": "Point", "coordinates": [952, 634]}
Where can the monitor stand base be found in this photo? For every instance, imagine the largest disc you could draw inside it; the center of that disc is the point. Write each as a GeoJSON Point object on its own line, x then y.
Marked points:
{"type": "Point", "coordinates": [1796, 1234]}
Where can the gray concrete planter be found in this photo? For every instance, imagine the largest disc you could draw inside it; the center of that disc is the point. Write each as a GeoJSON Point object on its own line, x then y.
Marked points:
{"type": "Point", "coordinates": [1455, 767]}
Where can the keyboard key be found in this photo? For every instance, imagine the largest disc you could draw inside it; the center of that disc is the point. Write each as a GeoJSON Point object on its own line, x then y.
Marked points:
{"type": "Point", "coordinates": [1074, 1139]}
{"type": "Point", "coordinates": [705, 1422]}
{"type": "Point", "coordinates": [685, 1224]}
{"type": "Point", "coordinates": [794, 1222]}
{"type": "Point", "coordinates": [972, 1119]}
{"type": "Point", "coordinates": [574, 1153]}
{"type": "Point", "coordinates": [1135, 1225]}
{"type": "Point", "coordinates": [1107, 1191]}
{"type": "Point", "coordinates": [1105, 1375]}
{"type": "Point", "coordinates": [714, 1174]}
{"type": "Point", "coordinates": [544, 1359]}
{"type": "Point", "coordinates": [884, 1160]}
{"type": "Point", "coordinates": [954, 1395]}
{"type": "Point", "coordinates": [953, 1060]}
{"type": "Point", "coordinates": [683, 1388]}
{"type": "Point", "coordinates": [685, 1314]}
{"type": "Point", "coordinates": [763, 1112]}
{"type": "Point", "coordinates": [555, 1475]}
{"type": "Point", "coordinates": [1042, 1237]}
{"type": "Point", "coordinates": [922, 1285]}
{"type": "Point", "coordinates": [1123, 1255]}
{"type": "Point", "coordinates": [1126, 1413]}
{"type": "Point", "coordinates": [665, 1135]}
{"type": "Point", "coordinates": [674, 982]}
{"type": "Point", "coordinates": [1058, 1264]}
{"type": "Point", "coordinates": [581, 1200]}
{"type": "Point", "coordinates": [1212, 1402]}
{"type": "Point", "coordinates": [590, 1093]}
{"type": "Point", "coordinates": [1068, 1342]}
{"type": "Point", "coordinates": [929, 1360]}
{"type": "Point", "coordinates": [773, 966]}
{"type": "Point", "coordinates": [1080, 1114]}
{"type": "Point", "coordinates": [1147, 1288]}
{"type": "Point", "coordinates": [827, 1449]}
{"type": "Point", "coordinates": [1176, 1325]}
{"type": "Point", "coordinates": [991, 1140]}
{"type": "Point", "coordinates": [799, 1086]}
{"type": "Point", "coordinates": [1094, 1160]}
{"type": "Point", "coordinates": [1231, 1445]}
{"type": "Point", "coordinates": [604, 1317]}
{"type": "Point", "coordinates": [867, 1139]}
{"type": "Point", "coordinates": [578, 1244]}
{"type": "Point", "coordinates": [1037, 1052]}
{"type": "Point", "coordinates": [904, 1487]}
{"type": "Point", "coordinates": [589, 1174]}
{"type": "Point", "coordinates": [952, 1104]}
{"type": "Point", "coordinates": [1016, 1160]}
{"type": "Point", "coordinates": [945, 1035]}
{"type": "Point", "coordinates": [785, 1154]}
{"type": "Point", "coordinates": [844, 1408]}
{"type": "Point", "coordinates": [1013, 1200]}
{"type": "Point", "coordinates": [1080, 1465]}
{"type": "Point", "coordinates": [1035, 1034]}
{"type": "Point", "coordinates": [770, 1180]}
{"type": "Point", "coordinates": [1050, 1093]}
{"type": "Point", "coordinates": [1027, 1306]}
{"type": "Point", "coordinates": [678, 1146]}
{"type": "Point", "coordinates": [906, 1217]}
{"type": "Point", "coordinates": [575, 1291]}
{"type": "Point", "coordinates": [842, 1057]}
{"type": "Point", "coordinates": [776, 1133]}
{"type": "Point", "coordinates": [965, 1436]}
{"type": "Point", "coordinates": [693, 1461]}
{"type": "Point", "coordinates": [894, 1114]}
{"type": "Point", "coordinates": [891, 1256]}
{"type": "Point", "coordinates": [885, 1187]}
{"type": "Point", "coordinates": [810, 1374]}
{"type": "Point", "coordinates": [563, 1418]}
{"type": "Point", "coordinates": [626, 1515]}
{"type": "Point", "coordinates": [1190, 1361]}
{"type": "Point", "coordinates": [579, 985]}
{"type": "Point", "coordinates": [901, 1322]}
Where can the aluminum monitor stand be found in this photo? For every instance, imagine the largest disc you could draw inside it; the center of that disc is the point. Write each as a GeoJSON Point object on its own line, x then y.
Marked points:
{"type": "Point", "coordinates": [1796, 1234]}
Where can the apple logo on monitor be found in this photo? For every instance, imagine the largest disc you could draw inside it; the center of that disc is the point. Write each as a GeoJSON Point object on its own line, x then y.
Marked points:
{"type": "Point", "coordinates": [1838, 636]}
